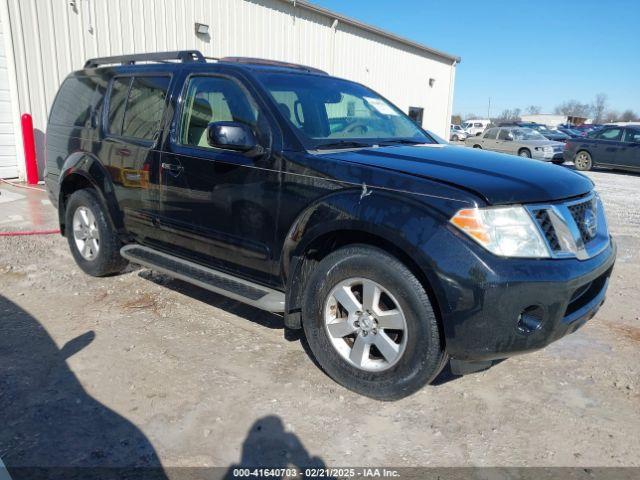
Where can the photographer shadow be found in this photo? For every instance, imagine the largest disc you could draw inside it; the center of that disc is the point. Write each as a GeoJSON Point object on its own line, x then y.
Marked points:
{"type": "Point", "coordinates": [50, 426]}
{"type": "Point", "coordinates": [269, 446]}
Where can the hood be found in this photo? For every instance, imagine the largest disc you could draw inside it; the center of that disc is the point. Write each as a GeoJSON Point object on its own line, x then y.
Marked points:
{"type": "Point", "coordinates": [497, 178]}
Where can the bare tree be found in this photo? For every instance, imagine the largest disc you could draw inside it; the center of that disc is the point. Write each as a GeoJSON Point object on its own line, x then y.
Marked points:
{"type": "Point", "coordinates": [573, 108]}
{"type": "Point", "coordinates": [610, 116]}
{"type": "Point", "coordinates": [598, 107]}
{"type": "Point", "coordinates": [533, 110]}
{"type": "Point", "coordinates": [470, 116]}
{"type": "Point", "coordinates": [508, 116]}
{"type": "Point", "coordinates": [456, 119]}
{"type": "Point", "coordinates": [628, 116]}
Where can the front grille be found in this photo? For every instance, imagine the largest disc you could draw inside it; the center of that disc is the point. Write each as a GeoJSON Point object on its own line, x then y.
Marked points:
{"type": "Point", "coordinates": [585, 217]}
{"type": "Point", "coordinates": [542, 217]}
{"type": "Point", "coordinates": [572, 229]}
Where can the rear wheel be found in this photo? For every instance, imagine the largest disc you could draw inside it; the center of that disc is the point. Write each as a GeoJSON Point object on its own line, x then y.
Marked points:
{"type": "Point", "coordinates": [583, 161]}
{"type": "Point", "coordinates": [477, 146]}
{"type": "Point", "coordinates": [370, 324]}
{"type": "Point", "coordinates": [525, 153]}
{"type": "Point", "coordinates": [93, 241]}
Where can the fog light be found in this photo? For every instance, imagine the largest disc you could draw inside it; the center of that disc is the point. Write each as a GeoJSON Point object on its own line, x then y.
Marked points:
{"type": "Point", "coordinates": [530, 319]}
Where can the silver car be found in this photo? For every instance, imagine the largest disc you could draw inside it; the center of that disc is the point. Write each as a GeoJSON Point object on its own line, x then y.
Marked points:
{"type": "Point", "coordinates": [457, 134]}
{"type": "Point", "coordinates": [524, 142]}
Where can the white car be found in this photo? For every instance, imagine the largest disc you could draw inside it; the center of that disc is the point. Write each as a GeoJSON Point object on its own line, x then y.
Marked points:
{"type": "Point", "coordinates": [457, 134]}
{"type": "Point", "coordinates": [475, 126]}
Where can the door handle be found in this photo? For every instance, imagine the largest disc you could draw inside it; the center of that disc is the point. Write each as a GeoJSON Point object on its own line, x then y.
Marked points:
{"type": "Point", "coordinates": [125, 152]}
{"type": "Point", "coordinates": [173, 168]}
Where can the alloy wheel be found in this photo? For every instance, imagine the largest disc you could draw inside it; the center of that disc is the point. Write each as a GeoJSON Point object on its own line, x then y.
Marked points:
{"type": "Point", "coordinates": [86, 233]}
{"type": "Point", "coordinates": [365, 324]}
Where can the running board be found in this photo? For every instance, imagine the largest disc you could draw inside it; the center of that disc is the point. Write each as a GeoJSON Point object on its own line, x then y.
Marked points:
{"type": "Point", "coordinates": [239, 289]}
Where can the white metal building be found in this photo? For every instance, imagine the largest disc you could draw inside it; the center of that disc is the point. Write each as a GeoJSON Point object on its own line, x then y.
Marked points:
{"type": "Point", "coordinates": [41, 41]}
{"type": "Point", "coordinates": [552, 120]}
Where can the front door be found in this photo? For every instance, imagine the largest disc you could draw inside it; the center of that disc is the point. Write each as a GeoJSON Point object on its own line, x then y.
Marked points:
{"type": "Point", "coordinates": [631, 154]}
{"type": "Point", "coordinates": [609, 145]}
{"type": "Point", "coordinates": [220, 207]}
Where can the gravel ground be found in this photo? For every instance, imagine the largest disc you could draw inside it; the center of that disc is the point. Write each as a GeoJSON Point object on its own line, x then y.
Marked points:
{"type": "Point", "coordinates": [140, 369]}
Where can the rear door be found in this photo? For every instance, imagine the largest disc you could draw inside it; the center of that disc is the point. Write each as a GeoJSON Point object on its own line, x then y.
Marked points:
{"type": "Point", "coordinates": [630, 156]}
{"type": "Point", "coordinates": [132, 125]}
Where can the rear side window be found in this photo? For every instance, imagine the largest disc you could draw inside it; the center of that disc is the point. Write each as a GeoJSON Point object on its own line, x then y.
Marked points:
{"type": "Point", "coordinates": [610, 134]}
{"type": "Point", "coordinates": [117, 102]}
{"type": "Point", "coordinates": [631, 135]}
{"type": "Point", "coordinates": [491, 134]}
{"type": "Point", "coordinates": [136, 106]}
{"type": "Point", "coordinates": [74, 102]}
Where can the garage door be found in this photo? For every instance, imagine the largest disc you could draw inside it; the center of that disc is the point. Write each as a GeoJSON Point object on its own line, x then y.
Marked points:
{"type": "Point", "coordinates": [8, 157]}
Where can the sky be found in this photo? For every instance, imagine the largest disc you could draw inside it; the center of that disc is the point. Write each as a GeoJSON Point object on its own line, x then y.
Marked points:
{"type": "Point", "coordinates": [521, 52]}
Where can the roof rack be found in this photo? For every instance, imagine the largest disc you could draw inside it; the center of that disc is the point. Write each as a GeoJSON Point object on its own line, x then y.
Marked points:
{"type": "Point", "coordinates": [183, 56]}
{"type": "Point", "coordinates": [272, 63]}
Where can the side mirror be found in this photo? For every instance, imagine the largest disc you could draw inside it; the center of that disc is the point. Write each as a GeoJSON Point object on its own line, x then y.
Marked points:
{"type": "Point", "coordinates": [232, 136]}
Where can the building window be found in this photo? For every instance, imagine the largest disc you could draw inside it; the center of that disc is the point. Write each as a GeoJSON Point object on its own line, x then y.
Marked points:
{"type": "Point", "coordinates": [415, 114]}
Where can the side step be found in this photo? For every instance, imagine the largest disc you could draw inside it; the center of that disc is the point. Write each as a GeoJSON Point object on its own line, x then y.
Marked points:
{"type": "Point", "coordinates": [208, 278]}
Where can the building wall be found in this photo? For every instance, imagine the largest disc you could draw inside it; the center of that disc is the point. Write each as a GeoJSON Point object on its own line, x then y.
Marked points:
{"type": "Point", "coordinates": [55, 37]}
{"type": "Point", "coordinates": [8, 138]}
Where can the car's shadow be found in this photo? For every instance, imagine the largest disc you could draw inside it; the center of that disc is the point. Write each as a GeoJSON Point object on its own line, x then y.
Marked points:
{"type": "Point", "coordinates": [255, 315]}
{"type": "Point", "coordinates": [50, 427]}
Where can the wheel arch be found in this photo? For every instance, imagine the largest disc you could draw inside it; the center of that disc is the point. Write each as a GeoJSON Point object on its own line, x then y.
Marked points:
{"type": "Point", "coordinates": [82, 171]}
{"type": "Point", "coordinates": [522, 149]}
{"type": "Point", "coordinates": [308, 244]}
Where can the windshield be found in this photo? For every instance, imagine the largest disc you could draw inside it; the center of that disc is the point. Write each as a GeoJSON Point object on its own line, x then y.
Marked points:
{"type": "Point", "coordinates": [332, 113]}
{"type": "Point", "coordinates": [526, 134]}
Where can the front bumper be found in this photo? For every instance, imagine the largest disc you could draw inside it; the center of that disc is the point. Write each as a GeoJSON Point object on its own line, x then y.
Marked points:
{"type": "Point", "coordinates": [547, 156]}
{"type": "Point", "coordinates": [486, 300]}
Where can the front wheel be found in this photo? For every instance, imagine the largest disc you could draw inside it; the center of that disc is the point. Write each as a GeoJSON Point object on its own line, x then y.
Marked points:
{"type": "Point", "coordinates": [370, 324]}
{"type": "Point", "coordinates": [583, 161]}
{"type": "Point", "coordinates": [92, 239]}
{"type": "Point", "coordinates": [524, 153]}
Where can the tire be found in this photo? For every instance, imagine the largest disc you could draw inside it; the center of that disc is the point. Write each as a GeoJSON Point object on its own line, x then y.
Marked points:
{"type": "Point", "coordinates": [477, 146]}
{"type": "Point", "coordinates": [558, 162]}
{"type": "Point", "coordinates": [391, 376]}
{"type": "Point", "coordinates": [583, 161]}
{"type": "Point", "coordinates": [524, 153]}
{"type": "Point", "coordinates": [87, 223]}
{"type": "Point", "coordinates": [455, 138]}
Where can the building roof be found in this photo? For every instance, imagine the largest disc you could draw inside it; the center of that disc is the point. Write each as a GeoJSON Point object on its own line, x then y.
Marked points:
{"type": "Point", "coordinates": [369, 28]}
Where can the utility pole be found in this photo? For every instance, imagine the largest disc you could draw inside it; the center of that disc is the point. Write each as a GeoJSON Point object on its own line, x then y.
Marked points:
{"type": "Point", "coordinates": [489, 109]}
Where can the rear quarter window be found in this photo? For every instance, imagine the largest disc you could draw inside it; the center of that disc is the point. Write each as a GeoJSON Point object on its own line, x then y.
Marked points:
{"type": "Point", "coordinates": [74, 103]}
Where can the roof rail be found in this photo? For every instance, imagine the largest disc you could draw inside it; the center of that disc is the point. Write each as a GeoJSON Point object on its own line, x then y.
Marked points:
{"type": "Point", "coordinates": [272, 63]}
{"type": "Point", "coordinates": [182, 55]}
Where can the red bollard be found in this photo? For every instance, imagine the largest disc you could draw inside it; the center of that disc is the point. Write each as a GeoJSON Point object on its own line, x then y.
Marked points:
{"type": "Point", "coordinates": [29, 143]}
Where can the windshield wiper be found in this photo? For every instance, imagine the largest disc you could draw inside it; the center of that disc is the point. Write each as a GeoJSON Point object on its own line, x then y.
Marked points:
{"type": "Point", "coordinates": [343, 144]}
{"type": "Point", "coordinates": [401, 141]}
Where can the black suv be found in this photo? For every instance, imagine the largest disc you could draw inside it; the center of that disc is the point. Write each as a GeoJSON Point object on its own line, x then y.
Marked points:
{"type": "Point", "coordinates": [297, 192]}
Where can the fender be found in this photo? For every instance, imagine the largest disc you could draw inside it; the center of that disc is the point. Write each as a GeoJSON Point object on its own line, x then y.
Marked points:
{"type": "Point", "coordinates": [402, 221]}
{"type": "Point", "coordinates": [86, 166]}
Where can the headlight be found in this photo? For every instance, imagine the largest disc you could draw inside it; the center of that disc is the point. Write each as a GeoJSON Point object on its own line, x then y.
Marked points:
{"type": "Point", "coordinates": [505, 231]}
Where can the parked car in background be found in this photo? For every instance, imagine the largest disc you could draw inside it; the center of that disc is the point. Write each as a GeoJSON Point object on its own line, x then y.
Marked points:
{"type": "Point", "coordinates": [524, 142]}
{"type": "Point", "coordinates": [457, 134]}
{"type": "Point", "coordinates": [476, 127]}
{"type": "Point", "coordinates": [612, 147]}
{"type": "Point", "coordinates": [542, 129]}
{"type": "Point", "coordinates": [570, 132]}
